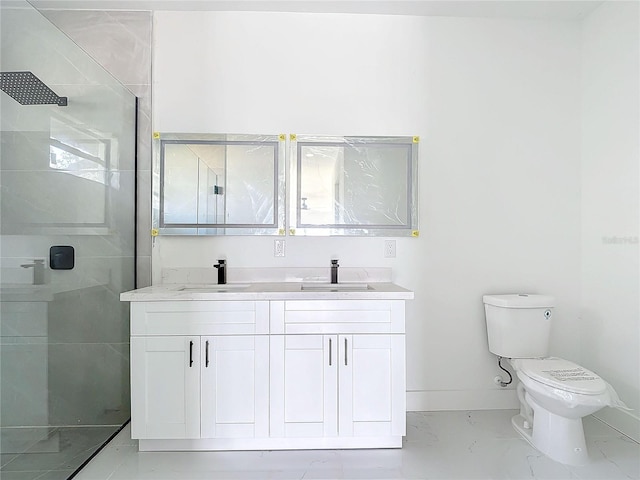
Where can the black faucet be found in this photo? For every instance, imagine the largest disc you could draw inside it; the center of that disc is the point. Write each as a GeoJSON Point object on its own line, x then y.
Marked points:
{"type": "Point", "coordinates": [334, 271]}
{"type": "Point", "coordinates": [222, 271]}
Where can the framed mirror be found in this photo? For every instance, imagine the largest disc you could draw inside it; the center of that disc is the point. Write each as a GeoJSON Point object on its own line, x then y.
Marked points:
{"type": "Point", "coordinates": [354, 186]}
{"type": "Point", "coordinates": [219, 184]}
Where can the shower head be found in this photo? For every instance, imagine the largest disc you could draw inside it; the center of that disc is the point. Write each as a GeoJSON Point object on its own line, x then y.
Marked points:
{"type": "Point", "coordinates": [27, 89]}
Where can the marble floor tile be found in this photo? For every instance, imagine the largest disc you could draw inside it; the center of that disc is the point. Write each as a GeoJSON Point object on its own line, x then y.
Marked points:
{"type": "Point", "coordinates": [458, 445]}
{"type": "Point", "coordinates": [75, 446]}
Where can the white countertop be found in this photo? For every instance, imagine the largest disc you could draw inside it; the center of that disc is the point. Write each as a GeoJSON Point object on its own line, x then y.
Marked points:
{"type": "Point", "coordinates": [269, 291]}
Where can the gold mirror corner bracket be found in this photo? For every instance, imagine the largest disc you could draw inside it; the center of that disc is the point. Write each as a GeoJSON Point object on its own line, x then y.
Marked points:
{"type": "Point", "coordinates": [282, 137]}
{"type": "Point", "coordinates": [416, 139]}
{"type": "Point", "coordinates": [155, 232]}
{"type": "Point", "coordinates": [282, 231]}
{"type": "Point", "coordinates": [292, 231]}
{"type": "Point", "coordinates": [156, 135]}
{"type": "Point", "coordinates": [293, 137]}
{"type": "Point", "coordinates": [415, 233]}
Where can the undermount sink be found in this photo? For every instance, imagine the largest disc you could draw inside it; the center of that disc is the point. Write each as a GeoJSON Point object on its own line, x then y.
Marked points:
{"type": "Point", "coordinates": [336, 287]}
{"type": "Point", "coordinates": [215, 288]}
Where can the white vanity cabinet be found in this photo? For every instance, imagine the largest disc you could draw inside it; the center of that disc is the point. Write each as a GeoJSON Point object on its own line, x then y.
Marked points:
{"type": "Point", "coordinates": [337, 385]}
{"type": "Point", "coordinates": [304, 386]}
{"type": "Point", "coordinates": [165, 387]}
{"type": "Point", "coordinates": [199, 386]}
{"type": "Point", "coordinates": [234, 386]}
{"type": "Point", "coordinates": [284, 371]}
{"type": "Point", "coordinates": [350, 384]}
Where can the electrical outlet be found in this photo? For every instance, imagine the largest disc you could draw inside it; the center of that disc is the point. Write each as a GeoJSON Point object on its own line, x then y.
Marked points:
{"type": "Point", "coordinates": [278, 248]}
{"type": "Point", "coordinates": [389, 249]}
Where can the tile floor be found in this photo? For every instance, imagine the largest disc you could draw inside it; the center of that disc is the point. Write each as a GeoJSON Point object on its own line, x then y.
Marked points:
{"type": "Point", "coordinates": [439, 445]}
{"type": "Point", "coordinates": [72, 447]}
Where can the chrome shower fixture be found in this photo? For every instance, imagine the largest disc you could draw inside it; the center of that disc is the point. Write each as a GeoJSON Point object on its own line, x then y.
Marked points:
{"type": "Point", "coordinates": [27, 89]}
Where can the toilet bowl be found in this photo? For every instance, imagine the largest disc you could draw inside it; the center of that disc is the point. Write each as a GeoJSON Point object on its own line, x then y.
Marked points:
{"type": "Point", "coordinates": [555, 395]}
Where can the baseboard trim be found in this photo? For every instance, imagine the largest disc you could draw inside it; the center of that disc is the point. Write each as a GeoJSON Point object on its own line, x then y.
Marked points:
{"type": "Point", "coordinates": [271, 443]}
{"type": "Point", "coordinates": [438, 400]}
{"type": "Point", "coordinates": [623, 421]}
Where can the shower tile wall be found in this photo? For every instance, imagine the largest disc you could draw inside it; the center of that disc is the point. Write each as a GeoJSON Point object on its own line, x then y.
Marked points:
{"type": "Point", "coordinates": [121, 42]}
{"type": "Point", "coordinates": [67, 178]}
{"type": "Point", "coordinates": [96, 390]}
{"type": "Point", "coordinates": [85, 374]}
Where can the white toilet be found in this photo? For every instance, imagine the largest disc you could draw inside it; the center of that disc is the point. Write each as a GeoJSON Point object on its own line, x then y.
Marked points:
{"type": "Point", "coordinates": [554, 393]}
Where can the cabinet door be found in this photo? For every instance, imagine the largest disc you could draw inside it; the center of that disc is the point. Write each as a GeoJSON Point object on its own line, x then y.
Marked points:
{"type": "Point", "coordinates": [235, 386]}
{"type": "Point", "coordinates": [165, 387]}
{"type": "Point", "coordinates": [304, 379]}
{"type": "Point", "coordinates": [371, 385]}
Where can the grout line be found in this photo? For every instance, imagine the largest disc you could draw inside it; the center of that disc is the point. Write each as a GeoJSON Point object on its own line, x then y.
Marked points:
{"type": "Point", "coordinates": [615, 429]}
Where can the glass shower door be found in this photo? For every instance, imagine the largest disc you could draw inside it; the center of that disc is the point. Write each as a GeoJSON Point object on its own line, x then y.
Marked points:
{"type": "Point", "coordinates": [67, 249]}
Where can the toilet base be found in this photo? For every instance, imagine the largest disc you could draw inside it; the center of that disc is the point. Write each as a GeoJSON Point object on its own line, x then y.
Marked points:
{"type": "Point", "coordinates": [561, 439]}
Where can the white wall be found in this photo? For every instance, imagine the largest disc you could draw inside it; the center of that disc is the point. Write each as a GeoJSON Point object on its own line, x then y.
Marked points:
{"type": "Point", "coordinates": [610, 317]}
{"type": "Point", "coordinates": [497, 106]}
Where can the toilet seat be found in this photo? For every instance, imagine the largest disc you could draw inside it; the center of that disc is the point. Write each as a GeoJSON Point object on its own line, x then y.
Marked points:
{"type": "Point", "coordinates": [562, 375]}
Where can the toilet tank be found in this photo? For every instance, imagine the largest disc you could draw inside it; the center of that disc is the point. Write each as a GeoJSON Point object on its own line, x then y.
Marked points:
{"type": "Point", "coordinates": [518, 325]}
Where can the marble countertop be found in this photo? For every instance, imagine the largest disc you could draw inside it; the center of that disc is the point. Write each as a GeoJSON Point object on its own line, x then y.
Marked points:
{"type": "Point", "coordinates": [269, 291]}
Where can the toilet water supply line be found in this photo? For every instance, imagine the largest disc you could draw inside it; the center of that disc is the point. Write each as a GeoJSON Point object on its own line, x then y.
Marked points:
{"type": "Point", "coordinates": [498, 378]}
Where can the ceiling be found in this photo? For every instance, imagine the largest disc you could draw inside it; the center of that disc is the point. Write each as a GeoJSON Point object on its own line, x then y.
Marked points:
{"type": "Point", "coordinates": [538, 9]}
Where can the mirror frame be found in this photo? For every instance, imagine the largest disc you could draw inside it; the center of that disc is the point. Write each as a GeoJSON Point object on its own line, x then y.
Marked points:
{"type": "Point", "coordinates": [277, 227]}
{"type": "Point", "coordinates": [297, 227]}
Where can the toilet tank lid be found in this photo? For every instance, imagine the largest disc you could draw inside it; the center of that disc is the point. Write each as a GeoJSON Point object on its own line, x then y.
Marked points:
{"type": "Point", "coordinates": [519, 300]}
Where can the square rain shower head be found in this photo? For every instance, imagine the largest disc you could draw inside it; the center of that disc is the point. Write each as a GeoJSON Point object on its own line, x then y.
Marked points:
{"type": "Point", "coordinates": [27, 89]}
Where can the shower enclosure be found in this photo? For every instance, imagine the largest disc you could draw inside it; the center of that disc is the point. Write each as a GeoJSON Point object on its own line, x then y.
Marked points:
{"type": "Point", "coordinates": [67, 249]}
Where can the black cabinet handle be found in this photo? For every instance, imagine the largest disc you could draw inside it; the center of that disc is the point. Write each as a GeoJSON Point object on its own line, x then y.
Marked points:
{"type": "Point", "coordinates": [191, 354]}
{"type": "Point", "coordinates": [345, 351]}
{"type": "Point", "coordinates": [206, 354]}
{"type": "Point", "coordinates": [329, 352]}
